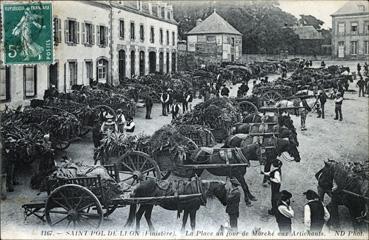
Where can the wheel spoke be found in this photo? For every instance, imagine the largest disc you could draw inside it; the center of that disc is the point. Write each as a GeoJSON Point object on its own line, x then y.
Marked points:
{"type": "Point", "coordinates": [143, 165]}
{"type": "Point", "coordinates": [60, 204]}
{"type": "Point", "coordinates": [126, 165]}
{"type": "Point", "coordinates": [148, 170]}
{"type": "Point", "coordinates": [80, 200]}
{"type": "Point", "coordinates": [123, 180]}
{"type": "Point", "coordinates": [66, 200]}
{"type": "Point", "coordinates": [59, 212]}
{"type": "Point", "coordinates": [84, 207]}
{"type": "Point", "coordinates": [133, 165]}
{"type": "Point", "coordinates": [60, 220]}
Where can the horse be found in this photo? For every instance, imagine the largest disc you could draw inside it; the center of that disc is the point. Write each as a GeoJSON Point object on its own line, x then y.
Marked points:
{"type": "Point", "coordinates": [153, 188]}
{"type": "Point", "coordinates": [205, 155]}
{"type": "Point", "coordinates": [345, 178]}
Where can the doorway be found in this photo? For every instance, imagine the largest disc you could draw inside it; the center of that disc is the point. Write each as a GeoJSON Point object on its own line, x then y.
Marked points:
{"type": "Point", "coordinates": [122, 65]}
{"type": "Point", "coordinates": [133, 70]}
{"type": "Point", "coordinates": [142, 63]}
{"type": "Point", "coordinates": [152, 62]}
{"type": "Point", "coordinates": [167, 62]}
{"type": "Point", "coordinates": [161, 62]}
{"type": "Point", "coordinates": [53, 75]}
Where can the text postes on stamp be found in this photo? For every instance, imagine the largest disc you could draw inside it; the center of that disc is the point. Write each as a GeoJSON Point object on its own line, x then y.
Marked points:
{"type": "Point", "coordinates": [28, 33]}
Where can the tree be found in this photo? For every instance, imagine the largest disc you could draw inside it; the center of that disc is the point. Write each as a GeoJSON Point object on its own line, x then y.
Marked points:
{"type": "Point", "coordinates": [309, 20]}
{"type": "Point", "coordinates": [261, 23]}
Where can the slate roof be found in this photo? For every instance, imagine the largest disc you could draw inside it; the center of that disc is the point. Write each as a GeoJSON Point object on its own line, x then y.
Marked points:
{"type": "Point", "coordinates": [307, 32]}
{"type": "Point", "coordinates": [214, 24]}
{"type": "Point", "coordinates": [353, 8]}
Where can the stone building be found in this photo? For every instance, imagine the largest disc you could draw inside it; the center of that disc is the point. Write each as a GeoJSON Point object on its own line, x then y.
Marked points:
{"type": "Point", "coordinates": [102, 40]}
{"type": "Point", "coordinates": [350, 31]}
{"type": "Point", "coordinates": [214, 40]}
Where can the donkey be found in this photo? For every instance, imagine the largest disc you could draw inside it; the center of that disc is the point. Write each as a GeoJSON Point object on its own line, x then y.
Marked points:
{"type": "Point", "coordinates": [152, 188]}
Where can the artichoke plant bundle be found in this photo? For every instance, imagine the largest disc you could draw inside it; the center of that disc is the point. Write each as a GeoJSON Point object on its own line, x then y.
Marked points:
{"type": "Point", "coordinates": [205, 135]}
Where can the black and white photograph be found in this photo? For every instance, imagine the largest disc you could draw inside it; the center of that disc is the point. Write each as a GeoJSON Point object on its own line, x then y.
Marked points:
{"type": "Point", "coordinates": [207, 119]}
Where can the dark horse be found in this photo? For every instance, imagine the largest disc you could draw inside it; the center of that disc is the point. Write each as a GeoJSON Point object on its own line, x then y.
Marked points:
{"type": "Point", "coordinates": [189, 206]}
{"type": "Point", "coordinates": [345, 178]}
{"type": "Point", "coordinates": [230, 156]}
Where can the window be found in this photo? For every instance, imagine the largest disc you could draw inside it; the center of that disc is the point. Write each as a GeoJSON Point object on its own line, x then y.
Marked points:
{"type": "Point", "coordinates": [361, 8]}
{"type": "Point", "coordinates": [168, 15]}
{"type": "Point", "coordinates": [88, 34]}
{"type": "Point", "coordinates": [366, 47]}
{"type": "Point", "coordinates": [132, 31]}
{"type": "Point", "coordinates": [121, 29]}
{"type": "Point", "coordinates": [152, 35]}
{"type": "Point", "coordinates": [210, 38]}
{"type": "Point", "coordinates": [167, 37]}
{"type": "Point", "coordinates": [101, 71]}
{"type": "Point", "coordinates": [89, 68]}
{"type": "Point", "coordinates": [142, 33]}
{"type": "Point", "coordinates": [366, 27]}
{"type": "Point", "coordinates": [354, 28]}
{"type": "Point", "coordinates": [57, 31]}
{"type": "Point", "coordinates": [30, 81]}
{"type": "Point", "coordinates": [71, 30]}
{"type": "Point", "coordinates": [4, 83]}
{"type": "Point", "coordinates": [163, 12]}
{"type": "Point", "coordinates": [173, 39]}
{"type": "Point", "coordinates": [161, 36]}
{"type": "Point", "coordinates": [232, 41]}
{"type": "Point", "coordinates": [341, 28]}
{"type": "Point", "coordinates": [353, 47]}
{"type": "Point", "coordinates": [72, 73]}
{"type": "Point", "coordinates": [102, 36]}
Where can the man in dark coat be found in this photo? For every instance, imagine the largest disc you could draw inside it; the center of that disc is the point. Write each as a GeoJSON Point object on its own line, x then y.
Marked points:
{"type": "Point", "coordinates": [338, 106]}
{"type": "Point", "coordinates": [315, 213]}
{"type": "Point", "coordinates": [322, 97]}
{"type": "Point", "coordinates": [284, 212]}
{"type": "Point", "coordinates": [361, 84]}
{"type": "Point", "coordinates": [148, 104]}
{"type": "Point", "coordinates": [275, 177]}
{"type": "Point", "coordinates": [233, 203]}
{"type": "Point", "coordinates": [164, 99]}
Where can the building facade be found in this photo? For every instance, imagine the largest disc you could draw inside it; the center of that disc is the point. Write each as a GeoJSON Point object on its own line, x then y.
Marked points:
{"type": "Point", "coordinates": [350, 31]}
{"type": "Point", "coordinates": [100, 40]}
{"type": "Point", "coordinates": [214, 40]}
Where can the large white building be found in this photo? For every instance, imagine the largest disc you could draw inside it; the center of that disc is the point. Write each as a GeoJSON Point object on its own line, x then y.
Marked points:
{"type": "Point", "coordinates": [102, 40]}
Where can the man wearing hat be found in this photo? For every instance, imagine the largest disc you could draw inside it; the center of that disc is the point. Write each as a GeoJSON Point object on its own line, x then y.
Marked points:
{"type": "Point", "coordinates": [338, 106]}
{"type": "Point", "coordinates": [315, 213]}
{"type": "Point", "coordinates": [275, 176]}
{"type": "Point", "coordinates": [233, 202]}
{"type": "Point", "coordinates": [120, 120]}
{"type": "Point", "coordinates": [164, 99]}
{"type": "Point", "coordinates": [109, 124]}
{"type": "Point", "coordinates": [284, 212]}
{"type": "Point", "coordinates": [322, 97]}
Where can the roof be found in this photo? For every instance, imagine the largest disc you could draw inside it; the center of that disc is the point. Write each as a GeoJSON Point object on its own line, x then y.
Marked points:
{"type": "Point", "coordinates": [353, 8]}
{"type": "Point", "coordinates": [307, 32]}
{"type": "Point", "coordinates": [214, 24]}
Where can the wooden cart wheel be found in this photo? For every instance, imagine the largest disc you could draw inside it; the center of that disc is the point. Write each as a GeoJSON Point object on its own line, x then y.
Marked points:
{"type": "Point", "coordinates": [137, 166]}
{"type": "Point", "coordinates": [61, 145]}
{"type": "Point", "coordinates": [73, 205]}
{"type": "Point", "coordinates": [249, 107]}
{"type": "Point", "coordinates": [271, 97]}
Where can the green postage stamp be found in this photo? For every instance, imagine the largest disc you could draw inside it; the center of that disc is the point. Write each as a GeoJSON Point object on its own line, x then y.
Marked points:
{"type": "Point", "coordinates": [28, 33]}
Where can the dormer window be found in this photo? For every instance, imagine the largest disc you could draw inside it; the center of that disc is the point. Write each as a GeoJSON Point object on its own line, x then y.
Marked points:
{"type": "Point", "coordinates": [362, 8]}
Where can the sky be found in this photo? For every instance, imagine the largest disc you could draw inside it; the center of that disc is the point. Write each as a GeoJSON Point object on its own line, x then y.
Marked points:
{"type": "Point", "coordinates": [318, 8]}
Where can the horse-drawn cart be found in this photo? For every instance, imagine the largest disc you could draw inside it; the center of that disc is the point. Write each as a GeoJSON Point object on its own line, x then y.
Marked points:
{"type": "Point", "coordinates": [84, 202]}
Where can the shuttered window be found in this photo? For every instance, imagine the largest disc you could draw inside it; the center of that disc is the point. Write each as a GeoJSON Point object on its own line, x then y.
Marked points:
{"type": "Point", "coordinates": [102, 36]}
{"type": "Point", "coordinates": [87, 34]}
{"type": "Point", "coordinates": [30, 81]}
{"type": "Point", "coordinates": [4, 83]}
{"type": "Point", "coordinates": [71, 31]}
{"type": "Point", "coordinates": [57, 31]}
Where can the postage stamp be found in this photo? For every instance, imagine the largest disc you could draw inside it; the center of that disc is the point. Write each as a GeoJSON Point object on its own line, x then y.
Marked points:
{"type": "Point", "coordinates": [28, 35]}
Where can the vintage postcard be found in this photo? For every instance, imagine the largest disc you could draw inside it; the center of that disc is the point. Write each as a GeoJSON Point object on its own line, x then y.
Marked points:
{"type": "Point", "coordinates": [184, 119]}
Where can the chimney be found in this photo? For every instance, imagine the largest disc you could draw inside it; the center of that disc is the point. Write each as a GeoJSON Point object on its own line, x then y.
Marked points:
{"type": "Point", "coordinates": [198, 21]}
